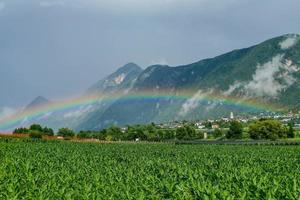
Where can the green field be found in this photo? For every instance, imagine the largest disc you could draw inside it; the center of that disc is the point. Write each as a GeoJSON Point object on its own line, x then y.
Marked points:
{"type": "Point", "coordinates": [66, 170]}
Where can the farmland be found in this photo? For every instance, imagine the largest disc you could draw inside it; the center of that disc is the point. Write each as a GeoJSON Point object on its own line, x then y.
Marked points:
{"type": "Point", "coordinates": [33, 169]}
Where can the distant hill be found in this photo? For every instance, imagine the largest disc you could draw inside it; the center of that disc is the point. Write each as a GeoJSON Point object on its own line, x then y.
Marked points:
{"type": "Point", "coordinates": [37, 102]}
{"type": "Point", "coordinates": [123, 79]}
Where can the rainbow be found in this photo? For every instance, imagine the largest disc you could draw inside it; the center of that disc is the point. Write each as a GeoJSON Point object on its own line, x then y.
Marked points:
{"type": "Point", "coordinates": [146, 96]}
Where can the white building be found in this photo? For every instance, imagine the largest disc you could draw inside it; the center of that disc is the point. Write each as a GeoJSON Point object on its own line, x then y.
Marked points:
{"type": "Point", "coordinates": [231, 115]}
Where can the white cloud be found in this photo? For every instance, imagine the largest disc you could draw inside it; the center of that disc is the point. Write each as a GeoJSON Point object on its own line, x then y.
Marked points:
{"type": "Point", "coordinates": [233, 87]}
{"type": "Point", "coordinates": [289, 42]}
{"type": "Point", "coordinates": [265, 79]}
{"type": "Point", "coordinates": [211, 105]}
{"type": "Point", "coordinates": [2, 5]}
{"type": "Point", "coordinates": [191, 103]}
{"type": "Point", "coordinates": [268, 79]}
{"type": "Point", "coordinates": [264, 82]}
{"type": "Point", "coordinates": [52, 3]}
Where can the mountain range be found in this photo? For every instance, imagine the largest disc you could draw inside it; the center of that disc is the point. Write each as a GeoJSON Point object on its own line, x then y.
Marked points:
{"type": "Point", "coordinates": [264, 77]}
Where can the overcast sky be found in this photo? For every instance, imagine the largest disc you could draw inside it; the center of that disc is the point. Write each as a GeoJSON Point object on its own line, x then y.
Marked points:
{"type": "Point", "coordinates": [58, 48]}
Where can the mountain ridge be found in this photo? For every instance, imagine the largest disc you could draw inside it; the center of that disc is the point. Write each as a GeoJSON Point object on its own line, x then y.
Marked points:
{"type": "Point", "coordinates": [264, 72]}
{"type": "Point", "coordinates": [122, 78]}
{"type": "Point", "coordinates": [38, 101]}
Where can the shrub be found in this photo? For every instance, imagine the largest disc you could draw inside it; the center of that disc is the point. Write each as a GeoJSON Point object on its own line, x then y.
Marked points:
{"type": "Point", "coordinates": [235, 130]}
{"type": "Point", "coordinates": [186, 132]}
{"type": "Point", "coordinates": [83, 134]}
{"type": "Point", "coordinates": [218, 133]}
{"type": "Point", "coordinates": [35, 134]}
{"type": "Point", "coordinates": [48, 131]}
{"type": "Point", "coordinates": [65, 132]}
{"type": "Point", "coordinates": [267, 129]}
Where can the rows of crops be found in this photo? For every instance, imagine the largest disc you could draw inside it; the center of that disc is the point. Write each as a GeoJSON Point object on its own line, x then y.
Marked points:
{"type": "Point", "coordinates": [66, 170]}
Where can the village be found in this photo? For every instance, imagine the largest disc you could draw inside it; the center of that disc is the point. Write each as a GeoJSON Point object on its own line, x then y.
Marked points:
{"type": "Point", "coordinates": [208, 126]}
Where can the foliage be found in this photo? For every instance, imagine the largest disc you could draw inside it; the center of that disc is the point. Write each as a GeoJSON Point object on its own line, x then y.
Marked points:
{"type": "Point", "coordinates": [65, 132]}
{"type": "Point", "coordinates": [267, 129]}
{"type": "Point", "coordinates": [235, 130]}
{"type": "Point", "coordinates": [218, 133]}
{"type": "Point", "coordinates": [35, 134]}
{"type": "Point", "coordinates": [48, 131]}
{"type": "Point", "coordinates": [21, 131]}
{"type": "Point", "coordinates": [142, 132]}
{"type": "Point", "coordinates": [66, 170]}
{"type": "Point", "coordinates": [186, 132]}
{"type": "Point", "coordinates": [291, 133]}
{"type": "Point", "coordinates": [208, 125]}
{"type": "Point", "coordinates": [34, 128]}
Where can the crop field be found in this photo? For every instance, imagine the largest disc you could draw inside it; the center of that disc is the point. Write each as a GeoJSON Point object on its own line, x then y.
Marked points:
{"type": "Point", "coordinates": [68, 170]}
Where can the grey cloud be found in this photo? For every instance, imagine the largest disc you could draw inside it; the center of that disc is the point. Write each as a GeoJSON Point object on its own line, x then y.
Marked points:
{"type": "Point", "coordinates": [2, 5]}
{"type": "Point", "coordinates": [60, 51]}
{"type": "Point", "coordinates": [52, 3]}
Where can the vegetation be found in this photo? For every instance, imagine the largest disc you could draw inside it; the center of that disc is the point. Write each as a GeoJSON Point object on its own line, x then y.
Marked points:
{"type": "Point", "coordinates": [149, 132]}
{"type": "Point", "coordinates": [235, 130]}
{"type": "Point", "coordinates": [66, 132]}
{"type": "Point", "coordinates": [35, 131]}
{"type": "Point", "coordinates": [267, 129]}
{"type": "Point", "coordinates": [291, 133]}
{"type": "Point", "coordinates": [218, 133]}
{"type": "Point", "coordinates": [67, 170]}
{"type": "Point", "coordinates": [21, 131]}
{"type": "Point", "coordinates": [263, 129]}
{"type": "Point", "coordinates": [36, 134]}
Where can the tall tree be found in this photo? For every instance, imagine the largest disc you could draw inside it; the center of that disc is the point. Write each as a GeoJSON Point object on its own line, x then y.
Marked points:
{"type": "Point", "coordinates": [235, 130]}
{"type": "Point", "coordinates": [291, 133]}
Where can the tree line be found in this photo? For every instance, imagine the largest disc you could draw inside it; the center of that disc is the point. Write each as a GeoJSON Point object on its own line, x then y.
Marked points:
{"type": "Point", "coordinates": [258, 130]}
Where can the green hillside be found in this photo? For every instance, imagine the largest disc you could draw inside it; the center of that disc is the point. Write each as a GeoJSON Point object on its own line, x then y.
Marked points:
{"type": "Point", "coordinates": [267, 73]}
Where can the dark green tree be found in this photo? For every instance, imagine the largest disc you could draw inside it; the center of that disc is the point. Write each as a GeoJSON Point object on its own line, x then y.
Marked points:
{"type": "Point", "coordinates": [65, 132]}
{"type": "Point", "coordinates": [83, 134]}
{"type": "Point", "coordinates": [35, 134]}
{"type": "Point", "coordinates": [169, 134]}
{"type": "Point", "coordinates": [48, 131]}
{"type": "Point", "coordinates": [208, 125]}
{"type": "Point", "coordinates": [21, 131]}
{"type": "Point", "coordinates": [291, 133]}
{"type": "Point", "coordinates": [136, 132]}
{"type": "Point", "coordinates": [36, 127]}
{"type": "Point", "coordinates": [218, 133]}
{"type": "Point", "coordinates": [186, 132]}
{"type": "Point", "coordinates": [235, 130]}
{"type": "Point", "coordinates": [181, 133]}
{"type": "Point", "coordinates": [114, 133]}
